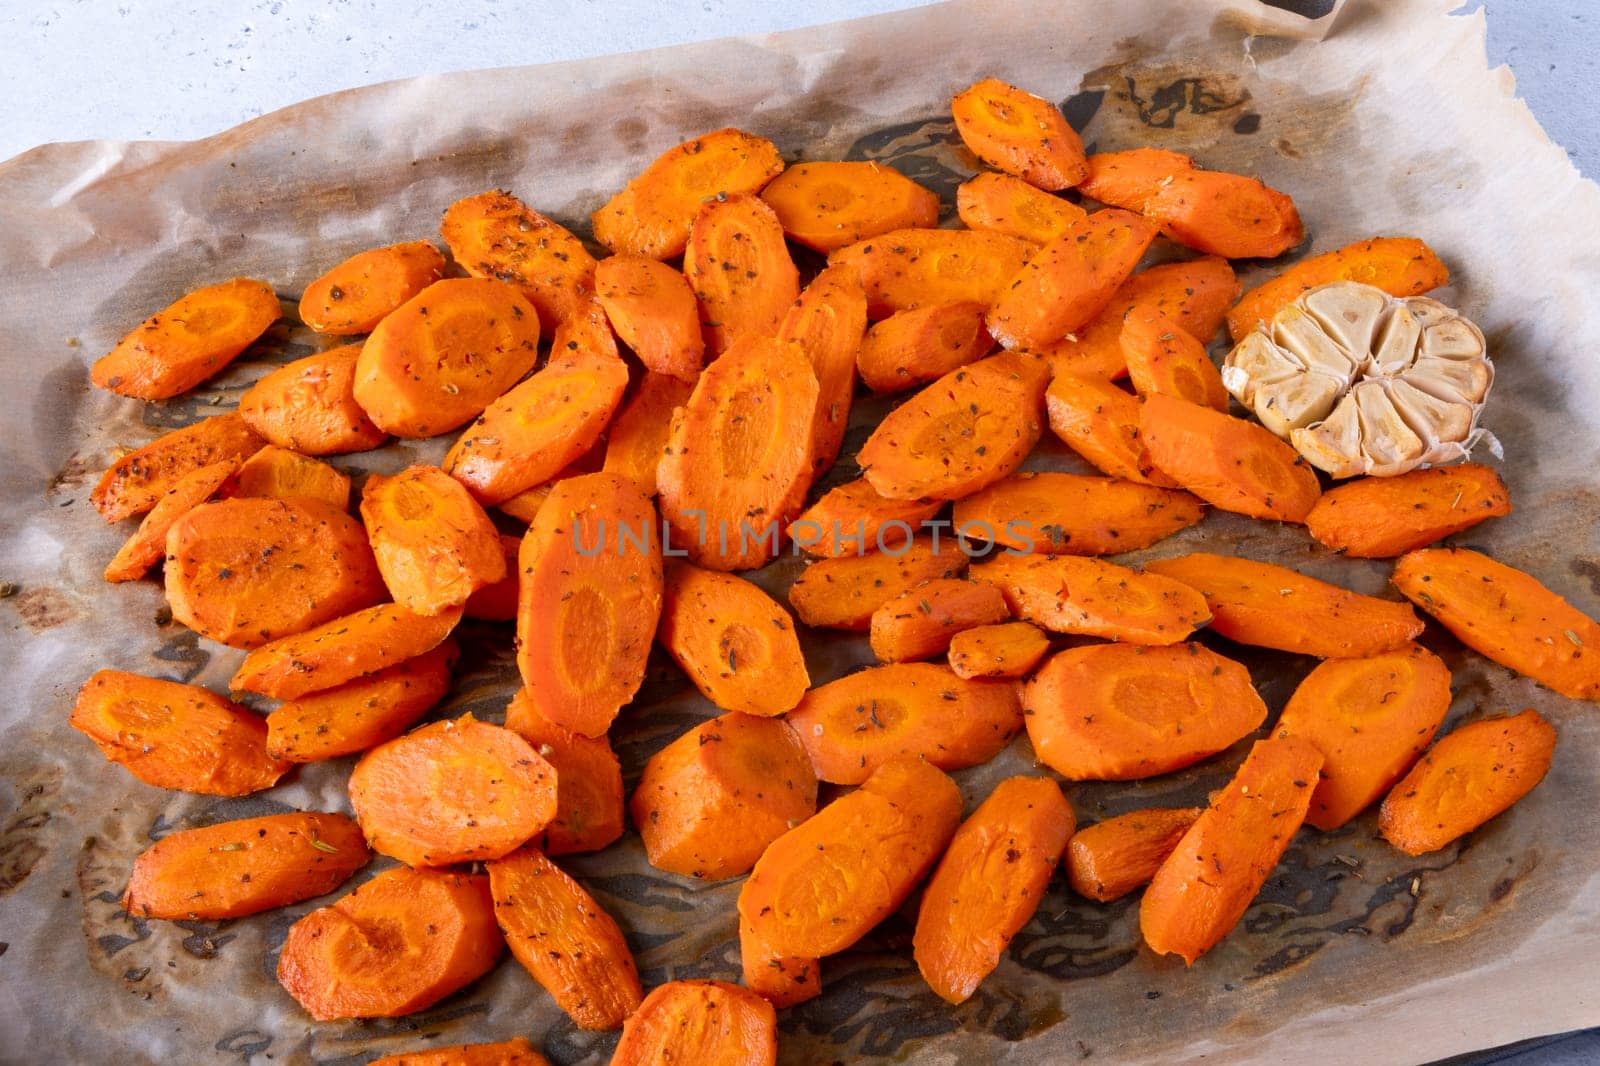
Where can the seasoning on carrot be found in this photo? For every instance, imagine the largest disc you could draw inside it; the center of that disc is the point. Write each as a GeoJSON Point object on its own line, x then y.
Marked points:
{"type": "Point", "coordinates": [355, 295]}
{"type": "Point", "coordinates": [497, 602]}
{"type": "Point", "coordinates": [1091, 597]}
{"type": "Point", "coordinates": [514, 1052]}
{"type": "Point", "coordinates": [148, 545]}
{"type": "Point", "coordinates": [852, 518]}
{"type": "Point", "coordinates": [733, 640]}
{"type": "Point", "coordinates": [588, 780]}
{"type": "Point", "coordinates": [335, 652]}
{"type": "Point", "coordinates": [780, 980]}
{"type": "Point", "coordinates": [827, 321]}
{"type": "Point", "coordinates": [1111, 858]}
{"type": "Point", "coordinates": [136, 482]}
{"type": "Point", "coordinates": [1052, 513]}
{"type": "Point", "coordinates": [1007, 649]}
{"type": "Point", "coordinates": [913, 347]}
{"type": "Point", "coordinates": [309, 406]}
{"type": "Point", "coordinates": [843, 592]}
{"type": "Point", "coordinates": [1400, 266]}
{"type": "Point", "coordinates": [1382, 517]}
{"type": "Point", "coordinates": [828, 205]}
{"type": "Point", "coordinates": [524, 506]}
{"type": "Point", "coordinates": [708, 1023]}
{"type": "Point", "coordinates": [434, 543]}
{"type": "Point", "coordinates": [1099, 420]}
{"type": "Point", "coordinates": [177, 348]}
{"type": "Point", "coordinates": [1011, 206]}
{"type": "Point", "coordinates": [1225, 214]}
{"type": "Point", "coordinates": [495, 235]}
{"type": "Point", "coordinates": [919, 623]}
{"type": "Point", "coordinates": [280, 474]}
{"type": "Point", "coordinates": [1019, 133]}
{"type": "Point", "coordinates": [1129, 179]}
{"type": "Point", "coordinates": [638, 436]}
{"type": "Point", "coordinates": [909, 268]}
{"type": "Point", "coordinates": [654, 312]}
{"type": "Point", "coordinates": [1162, 357]}
{"type": "Point", "coordinates": [361, 713]}
{"type": "Point", "coordinates": [739, 268]}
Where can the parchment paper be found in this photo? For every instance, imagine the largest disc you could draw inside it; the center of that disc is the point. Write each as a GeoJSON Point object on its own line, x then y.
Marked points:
{"type": "Point", "coordinates": [1393, 124]}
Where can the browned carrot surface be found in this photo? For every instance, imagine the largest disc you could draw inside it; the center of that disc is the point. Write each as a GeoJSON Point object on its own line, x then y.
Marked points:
{"type": "Point", "coordinates": [1111, 858]}
{"type": "Point", "coordinates": [136, 482]}
{"type": "Point", "coordinates": [1019, 133]}
{"type": "Point", "coordinates": [148, 545]}
{"type": "Point", "coordinates": [495, 235]}
{"type": "Point", "coordinates": [176, 349]}
{"type": "Point", "coordinates": [1225, 214]}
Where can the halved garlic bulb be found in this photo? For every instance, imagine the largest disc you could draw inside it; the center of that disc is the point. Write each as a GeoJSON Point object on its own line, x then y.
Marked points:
{"type": "Point", "coordinates": [1361, 382]}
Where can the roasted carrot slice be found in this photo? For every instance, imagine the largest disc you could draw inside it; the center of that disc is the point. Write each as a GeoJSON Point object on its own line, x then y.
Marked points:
{"type": "Point", "coordinates": [1228, 462]}
{"type": "Point", "coordinates": [738, 460]}
{"type": "Point", "coordinates": [453, 791]}
{"type": "Point", "coordinates": [1162, 357]}
{"type": "Point", "coordinates": [1371, 718]}
{"type": "Point", "coordinates": [638, 436]}
{"type": "Point", "coordinates": [733, 640]}
{"type": "Point", "coordinates": [1225, 214]}
{"type": "Point", "coordinates": [148, 545]}
{"type": "Point", "coordinates": [1206, 884]}
{"type": "Point", "coordinates": [434, 544]}
{"type": "Point", "coordinates": [913, 347]}
{"type": "Point", "coordinates": [709, 803]}
{"type": "Point", "coordinates": [361, 713]}
{"type": "Point", "coordinates": [989, 883]}
{"type": "Point", "coordinates": [1196, 294]}
{"type": "Point", "coordinates": [1069, 514]}
{"type": "Point", "coordinates": [852, 726]}
{"type": "Point", "coordinates": [1109, 859]}
{"type": "Point", "coordinates": [1011, 206]}
{"type": "Point", "coordinates": [1129, 179]}
{"type": "Point", "coordinates": [828, 205]}
{"type": "Point", "coordinates": [589, 600]}
{"type": "Point", "coordinates": [822, 885]}
{"type": "Point", "coordinates": [280, 474]}
{"type": "Point", "coordinates": [341, 650]}
{"type": "Point", "coordinates": [397, 944]}
{"type": "Point", "coordinates": [1008, 649]}
{"type": "Point", "coordinates": [1275, 607]}
{"type": "Point", "coordinates": [515, 1052]}
{"type": "Point", "coordinates": [588, 780]}
{"type": "Point", "coordinates": [309, 406]}
{"type": "Point", "coordinates": [525, 504]}
{"type": "Point", "coordinates": [653, 309]}
{"type": "Point", "coordinates": [237, 868]}
{"type": "Point", "coordinates": [1472, 774]}
{"type": "Point", "coordinates": [1092, 597]}
{"type": "Point", "coordinates": [740, 271]}
{"type": "Point", "coordinates": [440, 358]}
{"type": "Point", "coordinates": [564, 939]}
{"type": "Point", "coordinates": [497, 602]}
{"type": "Point", "coordinates": [852, 519]}
{"type": "Point", "coordinates": [244, 572]}
{"type": "Point", "coordinates": [1070, 280]}
{"type": "Point", "coordinates": [1019, 133]}
{"type": "Point", "coordinates": [708, 1023]}
{"type": "Point", "coordinates": [355, 295]}
{"type": "Point", "coordinates": [1400, 266]}
{"type": "Point", "coordinates": [495, 235]}
{"type": "Point", "coordinates": [778, 979]}
{"type": "Point", "coordinates": [909, 268]}
{"type": "Point", "coordinates": [1507, 615]}
{"type": "Point", "coordinates": [842, 593]}
{"type": "Point", "coordinates": [652, 214]}
{"type": "Point", "coordinates": [965, 431]}
{"type": "Point", "coordinates": [1120, 712]}
{"type": "Point", "coordinates": [137, 482]}
{"type": "Point", "coordinates": [920, 622]}
{"type": "Point", "coordinates": [176, 349]}
{"type": "Point", "coordinates": [1100, 421]}
{"type": "Point", "coordinates": [1382, 517]}
{"type": "Point", "coordinates": [827, 322]}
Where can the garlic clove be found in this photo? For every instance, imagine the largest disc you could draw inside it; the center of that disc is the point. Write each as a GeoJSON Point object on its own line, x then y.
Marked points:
{"type": "Point", "coordinates": [1437, 418]}
{"type": "Point", "coordinates": [1334, 445]}
{"type": "Point", "coordinates": [1464, 380]}
{"type": "Point", "coordinates": [1387, 440]}
{"type": "Point", "coordinates": [1349, 315]}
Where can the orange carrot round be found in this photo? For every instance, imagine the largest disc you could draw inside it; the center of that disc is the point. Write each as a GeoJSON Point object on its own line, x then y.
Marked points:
{"type": "Point", "coordinates": [176, 349]}
{"type": "Point", "coordinates": [1163, 357]}
{"type": "Point", "coordinates": [707, 1023]}
{"type": "Point", "coordinates": [309, 405]}
{"type": "Point", "coordinates": [137, 482]}
{"type": "Point", "coordinates": [1008, 649]}
{"type": "Point", "coordinates": [739, 268]}
{"type": "Point", "coordinates": [434, 544]}
{"type": "Point", "coordinates": [843, 592]}
{"type": "Point", "coordinates": [497, 602]}
{"type": "Point", "coordinates": [733, 640]}
{"type": "Point", "coordinates": [1382, 517]}
{"type": "Point", "coordinates": [514, 1052]}
{"type": "Point", "coordinates": [909, 268]}
{"type": "Point", "coordinates": [148, 545]}
{"type": "Point", "coordinates": [780, 980]}
{"type": "Point", "coordinates": [1019, 133]}
{"type": "Point", "coordinates": [1067, 514]}
{"type": "Point", "coordinates": [1100, 421]}
{"type": "Point", "coordinates": [281, 474]}
{"type": "Point", "coordinates": [588, 780]}
{"type": "Point", "coordinates": [361, 713]}
{"type": "Point", "coordinates": [827, 321]}
{"type": "Point", "coordinates": [355, 295]}
{"type": "Point", "coordinates": [1011, 206]}
{"type": "Point", "coordinates": [1400, 266]}
{"type": "Point", "coordinates": [654, 312]}
{"type": "Point", "coordinates": [1091, 597]}
{"type": "Point", "coordinates": [1109, 859]}
{"type": "Point", "coordinates": [1225, 214]}
{"type": "Point", "coordinates": [638, 436]}
{"type": "Point", "coordinates": [919, 623]}
{"type": "Point", "coordinates": [852, 518]}
{"type": "Point", "coordinates": [335, 652]}
{"type": "Point", "coordinates": [1130, 178]}
{"type": "Point", "coordinates": [495, 235]}
{"type": "Point", "coordinates": [912, 347]}
{"type": "Point", "coordinates": [828, 205]}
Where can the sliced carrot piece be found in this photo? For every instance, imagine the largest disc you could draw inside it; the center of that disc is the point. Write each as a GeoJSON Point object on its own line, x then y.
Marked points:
{"type": "Point", "coordinates": [1371, 718]}
{"type": "Point", "coordinates": [1275, 607]}
{"type": "Point", "coordinates": [1100, 421]}
{"type": "Point", "coordinates": [909, 268]}
{"type": "Point", "coordinates": [740, 271]}
{"type": "Point", "coordinates": [1008, 649]}
{"type": "Point", "coordinates": [515, 1052]}
{"type": "Point", "coordinates": [396, 945]}
{"type": "Point", "coordinates": [280, 474]}
{"type": "Point", "coordinates": [828, 205]}
{"type": "Point", "coordinates": [497, 602]}
{"type": "Point", "coordinates": [733, 640]}
{"type": "Point", "coordinates": [920, 622]}
{"type": "Point", "coordinates": [965, 431]}
{"type": "Point", "coordinates": [1225, 214]}
{"type": "Point", "coordinates": [1209, 880]}
{"type": "Point", "coordinates": [1472, 774]}
{"type": "Point", "coordinates": [176, 736]}
{"type": "Point", "coordinates": [588, 780]}
{"type": "Point", "coordinates": [825, 883]}
{"type": "Point", "coordinates": [652, 214]}
{"type": "Point", "coordinates": [232, 869]}
{"type": "Point", "coordinates": [709, 803]}
{"type": "Point", "coordinates": [309, 406]}
{"type": "Point", "coordinates": [843, 592]}
{"type": "Point", "coordinates": [780, 980]}
{"type": "Point", "coordinates": [177, 348]}
{"type": "Point", "coordinates": [586, 332]}
{"type": "Point", "coordinates": [654, 311]}
{"type": "Point", "coordinates": [148, 545]}
{"type": "Point", "coordinates": [738, 460]}
{"type": "Point", "coordinates": [708, 1023]}
{"type": "Point", "coordinates": [1400, 266]}
{"type": "Point", "coordinates": [989, 883]}
{"type": "Point", "coordinates": [852, 518]}
{"type": "Point", "coordinates": [341, 650]}
{"type": "Point", "coordinates": [1120, 712]}
{"type": "Point", "coordinates": [495, 235]}
{"type": "Point", "coordinates": [1092, 597]}
{"type": "Point", "coordinates": [525, 504]}
{"type": "Point", "coordinates": [361, 713]}
{"type": "Point", "coordinates": [434, 544]}
{"type": "Point", "coordinates": [564, 939]}
{"type": "Point", "coordinates": [137, 482]}
{"type": "Point", "coordinates": [1069, 514]}
{"type": "Point", "coordinates": [440, 358]}
{"type": "Point", "coordinates": [827, 322]}
{"type": "Point", "coordinates": [1162, 357]}
{"type": "Point", "coordinates": [356, 294]}
{"type": "Point", "coordinates": [1506, 615]}
{"type": "Point", "coordinates": [1228, 462]}
{"type": "Point", "coordinates": [638, 436]}
{"type": "Point", "coordinates": [913, 347]}
{"type": "Point", "coordinates": [1382, 517]}
{"type": "Point", "coordinates": [589, 600]}
{"type": "Point", "coordinates": [1070, 280]}
{"type": "Point", "coordinates": [247, 571]}
{"type": "Point", "coordinates": [1129, 179]}
{"type": "Point", "coordinates": [1019, 133]}
{"type": "Point", "coordinates": [852, 726]}
{"type": "Point", "coordinates": [1011, 206]}
{"type": "Point", "coordinates": [1109, 859]}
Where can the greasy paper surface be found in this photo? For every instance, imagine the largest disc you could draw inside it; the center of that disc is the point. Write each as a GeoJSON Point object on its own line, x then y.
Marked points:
{"type": "Point", "coordinates": [1391, 125]}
